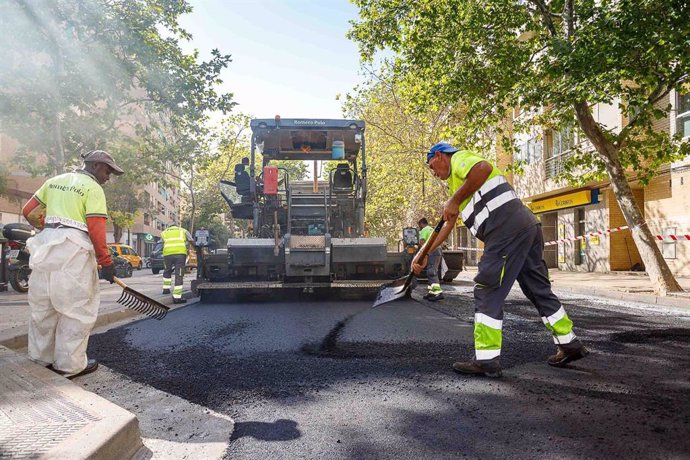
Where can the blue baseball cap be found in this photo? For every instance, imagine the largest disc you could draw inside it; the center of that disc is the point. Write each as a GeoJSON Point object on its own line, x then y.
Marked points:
{"type": "Point", "coordinates": [443, 147]}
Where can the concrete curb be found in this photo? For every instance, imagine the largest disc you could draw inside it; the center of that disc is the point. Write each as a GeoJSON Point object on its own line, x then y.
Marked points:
{"type": "Point", "coordinates": [676, 301]}
{"type": "Point", "coordinates": [38, 401]}
{"type": "Point", "coordinates": [22, 340]}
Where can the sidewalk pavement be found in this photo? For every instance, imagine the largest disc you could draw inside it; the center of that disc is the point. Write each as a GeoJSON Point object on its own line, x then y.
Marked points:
{"type": "Point", "coordinates": [628, 286]}
{"type": "Point", "coordinates": [44, 415]}
{"type": "Point", "coordinates": [15, 314]}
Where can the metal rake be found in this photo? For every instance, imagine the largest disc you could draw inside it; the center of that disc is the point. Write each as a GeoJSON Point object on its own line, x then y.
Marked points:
{"type": "Point", "coordinates": [139, 302]}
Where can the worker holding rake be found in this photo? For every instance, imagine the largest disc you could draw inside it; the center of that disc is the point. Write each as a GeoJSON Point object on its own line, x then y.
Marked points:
{"type": "Point", "coordinates": [513, 250]}
{"type": "Point", "coordinates": [63, 287]}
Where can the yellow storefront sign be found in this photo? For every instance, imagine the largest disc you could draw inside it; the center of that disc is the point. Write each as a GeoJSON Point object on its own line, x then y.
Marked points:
{"type": "Point", "coordinates": [563, 201]}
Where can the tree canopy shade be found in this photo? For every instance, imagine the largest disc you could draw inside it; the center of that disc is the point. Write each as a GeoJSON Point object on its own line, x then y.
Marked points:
{"type": "Point", "coordinates": [556, 59]}
{"type": "Point", "coordinates": [78, 74]}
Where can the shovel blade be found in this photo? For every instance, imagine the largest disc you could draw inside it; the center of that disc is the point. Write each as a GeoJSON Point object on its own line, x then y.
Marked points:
{"type": "Point", "coordinates": [394, 290]}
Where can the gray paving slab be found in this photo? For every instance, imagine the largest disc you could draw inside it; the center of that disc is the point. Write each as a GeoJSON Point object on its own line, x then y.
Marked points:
{"type": "Point", "coordinates": [44, 415]}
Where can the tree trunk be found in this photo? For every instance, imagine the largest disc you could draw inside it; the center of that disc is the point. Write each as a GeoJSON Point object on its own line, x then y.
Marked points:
{"type": "Point", "coordinates": [59, 159]}
{"type": "Point", "coordinates": [117, 233]}
{"type": "Point", "coordinates": [662, 279]}
{"type": "Point", "coordinates": [191, 194]}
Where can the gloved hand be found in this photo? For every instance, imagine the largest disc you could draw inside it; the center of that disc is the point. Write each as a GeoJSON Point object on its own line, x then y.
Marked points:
{"type": "Point", "coordinates": [108, 273]}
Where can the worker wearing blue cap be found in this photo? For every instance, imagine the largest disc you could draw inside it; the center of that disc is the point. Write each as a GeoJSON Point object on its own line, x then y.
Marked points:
{"type": "Point", "coordinates": [513, 250]}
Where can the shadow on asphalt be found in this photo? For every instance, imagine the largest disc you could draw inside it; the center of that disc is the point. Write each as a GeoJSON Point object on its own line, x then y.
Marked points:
{"type": "Point", "coordinates": [280, 430]}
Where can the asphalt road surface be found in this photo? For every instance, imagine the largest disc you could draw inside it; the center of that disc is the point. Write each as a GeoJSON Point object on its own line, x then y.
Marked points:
{"type": "Point", "coordinates": [388, 391]}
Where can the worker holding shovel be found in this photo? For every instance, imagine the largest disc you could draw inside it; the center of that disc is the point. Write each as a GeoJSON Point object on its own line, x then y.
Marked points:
{"type": "Point", "coordinates": [513, 250]}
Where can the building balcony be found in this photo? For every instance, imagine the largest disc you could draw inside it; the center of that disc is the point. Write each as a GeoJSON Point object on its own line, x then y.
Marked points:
{"type": "Point", "coordinates": [555, 165]}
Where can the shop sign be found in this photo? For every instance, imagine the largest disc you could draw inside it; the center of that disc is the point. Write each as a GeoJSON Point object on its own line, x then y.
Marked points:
{"type": "Point", "coordinates": [148, 237]}
{"type": "Point", "coordinates": [564, 201]}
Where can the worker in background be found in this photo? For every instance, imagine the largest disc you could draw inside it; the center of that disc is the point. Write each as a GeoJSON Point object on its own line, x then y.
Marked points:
{"type": "Point", "coordinates": [63, 287]}
{"type": "Point", "coordinates": [242, 178]}
{"type": "Point", "coordinates": [513, 250]}
{"type": "Point", "coordinates": [175, 241]}
{"type": "Point", "coordinates": [433, 266]}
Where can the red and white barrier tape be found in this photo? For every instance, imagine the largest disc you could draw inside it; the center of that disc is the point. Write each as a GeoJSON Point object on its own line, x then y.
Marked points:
{"type": "Point", "coordinates": [588, 235]}
{"type": "Point", "coordinates": [598, 233]}
{"type": "Point", "coordinates": [673, 237]}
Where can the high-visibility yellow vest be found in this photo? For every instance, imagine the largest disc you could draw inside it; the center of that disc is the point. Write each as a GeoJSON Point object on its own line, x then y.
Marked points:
{"type": "Point", "coordinates": [174, 241]}
{"type": "Point", "coordinates": [72, 197]}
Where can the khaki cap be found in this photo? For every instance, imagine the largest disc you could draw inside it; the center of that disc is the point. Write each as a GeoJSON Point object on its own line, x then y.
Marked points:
{"type": "Point", "coordinates": [101, 156]}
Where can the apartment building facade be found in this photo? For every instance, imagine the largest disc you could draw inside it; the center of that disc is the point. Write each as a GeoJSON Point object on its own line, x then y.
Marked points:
{"type": "Point", "coordinates": [568, 212]}
{"type": "Point", "coordinates": [163, 203]}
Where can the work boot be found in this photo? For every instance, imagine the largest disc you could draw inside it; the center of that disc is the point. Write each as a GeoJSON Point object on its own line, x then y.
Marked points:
{"type": "Point", "coordinates": [568, 353]}
{"type": "Point", "coordinates": [91, 365]}
{"type": "Point", "coordinates": [166, 291]}
{"type": "Point", "coordinates": [488, 367]}
{"type": "Point", "coordinates": [179, 300]}
{"type": "Point", "coordinates": [434, 296]}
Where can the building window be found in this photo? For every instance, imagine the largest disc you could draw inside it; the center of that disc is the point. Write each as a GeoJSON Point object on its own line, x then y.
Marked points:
{"type": "Point", "coordinates": [163, 191]}
{"type": "Point", "coordinates": [562, 142]}
{"type": "Point", "coordinates": [530, 151]}
{"type": "Point", "coordinates": [147, 218]}
{"type": "Point", "coordinates": [668, 246]}
{"type": "Point", "coordinates": [561, 145]}
{"type": "Point", "coordinates": [683, 117]}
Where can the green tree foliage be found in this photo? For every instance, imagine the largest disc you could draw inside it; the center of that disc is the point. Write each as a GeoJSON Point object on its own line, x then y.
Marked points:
{"type": "Point", "coordinates": [125, 203]}
{"type": "Point", "coordinates": [556, 59]}
{"type": "Point", "coordinates": [232, 144]}
{"type": "Point", "coordinates": [401, 188]}
{"type": "Point", "coordinates": [79, 75]}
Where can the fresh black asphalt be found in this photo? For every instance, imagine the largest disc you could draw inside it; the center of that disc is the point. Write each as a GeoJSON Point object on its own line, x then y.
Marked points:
{"type": "Point", "coordinates": [387, 390]}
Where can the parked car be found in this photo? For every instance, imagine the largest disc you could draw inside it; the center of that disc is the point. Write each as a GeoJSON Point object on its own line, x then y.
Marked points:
{"type": "Point", "coordinates": [128, 253]}
{"type": "Point", "coordinates": [156, 259]}
{"type": "Point", "coordinates": [123, 269]}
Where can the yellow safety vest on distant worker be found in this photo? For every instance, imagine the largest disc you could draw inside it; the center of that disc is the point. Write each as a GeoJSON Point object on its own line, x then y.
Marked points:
{"type": "Point", "coordinates": [70, 198]}
{"type": "Point", "coordinates": [174, 241]}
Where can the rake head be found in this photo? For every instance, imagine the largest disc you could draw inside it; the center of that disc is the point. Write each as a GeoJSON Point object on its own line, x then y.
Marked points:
{"type": "Point", "coordinates": [146, 305]}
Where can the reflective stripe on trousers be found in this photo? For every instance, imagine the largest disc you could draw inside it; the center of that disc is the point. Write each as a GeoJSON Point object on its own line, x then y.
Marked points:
{"type": "Point", "coordinates": [518, 258]}
{"type": "Point", "coordinates": [176, 263]}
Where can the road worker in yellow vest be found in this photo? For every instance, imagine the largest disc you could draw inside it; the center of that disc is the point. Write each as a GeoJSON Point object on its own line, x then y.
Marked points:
{"type": "Point", "coordinates": [513, 251]}
{"type": "Point", "coordinates": [63, 287]}
{"type": "Point", "coordinates": [175, 241]}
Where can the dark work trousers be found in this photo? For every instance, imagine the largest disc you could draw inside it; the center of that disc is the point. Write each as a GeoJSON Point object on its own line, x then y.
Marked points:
{"type": "Point", "coordinates": [177, 263]}
{"type": "Point", "coordinates": [520, 258]}
{"type": "Point", "coordinates": [433, 267]}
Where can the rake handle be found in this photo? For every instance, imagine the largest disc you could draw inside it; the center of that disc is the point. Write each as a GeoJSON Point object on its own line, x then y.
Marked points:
{"type": "Point", "coordinates": [119, 282]}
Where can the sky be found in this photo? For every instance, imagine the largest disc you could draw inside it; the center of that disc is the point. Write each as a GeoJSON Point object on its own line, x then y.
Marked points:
{"type": "Point", "coordinates": [289, 57]}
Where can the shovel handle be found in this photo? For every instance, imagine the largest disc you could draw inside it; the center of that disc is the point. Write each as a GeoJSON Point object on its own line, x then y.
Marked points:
{"type": "Point", "coordinates": [430, 241]}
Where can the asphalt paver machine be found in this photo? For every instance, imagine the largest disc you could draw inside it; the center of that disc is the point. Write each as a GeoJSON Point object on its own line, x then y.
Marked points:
{"type": "Point", "coordinates": [305, 235]}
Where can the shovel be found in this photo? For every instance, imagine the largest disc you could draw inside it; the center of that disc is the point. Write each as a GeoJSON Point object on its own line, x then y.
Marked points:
{"type": "Point", "coordinates": [401, 287]}
{"type": "Point", "coordinates": [139, 302]}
